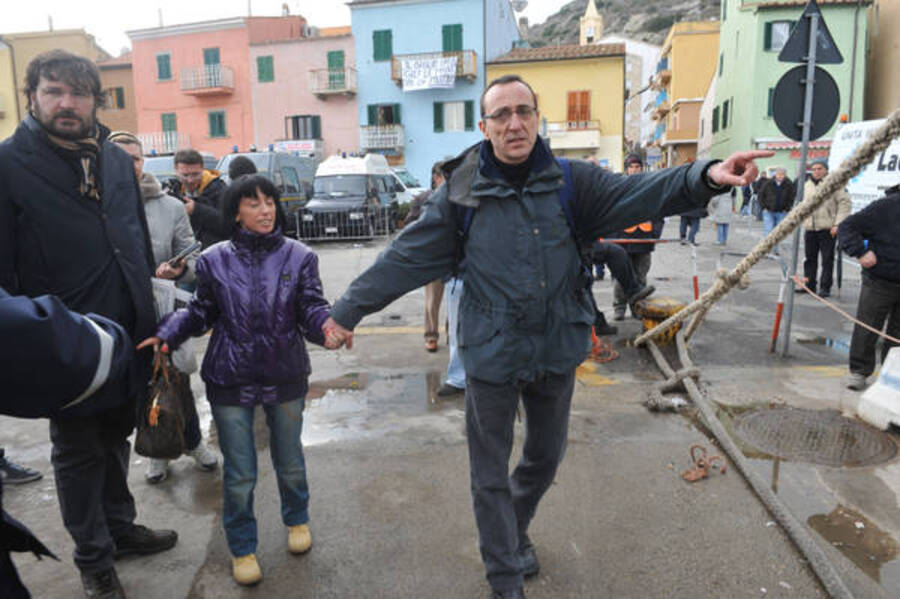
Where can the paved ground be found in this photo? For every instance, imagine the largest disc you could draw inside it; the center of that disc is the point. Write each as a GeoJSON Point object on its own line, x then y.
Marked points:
{"type": "Point", "coordinates": [391, 510]}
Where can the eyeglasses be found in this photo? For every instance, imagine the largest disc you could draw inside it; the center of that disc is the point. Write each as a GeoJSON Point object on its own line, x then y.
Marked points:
{"type": "Point", "coordinates": [502, 115]}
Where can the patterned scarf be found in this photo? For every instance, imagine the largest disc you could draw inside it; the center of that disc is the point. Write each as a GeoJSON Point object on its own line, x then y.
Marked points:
{"type": "Point", "coordinates": [82, 154]}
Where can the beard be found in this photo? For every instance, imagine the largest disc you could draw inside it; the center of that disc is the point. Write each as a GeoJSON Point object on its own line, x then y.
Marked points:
{"type": "Point", "coordinates": [51, 124]}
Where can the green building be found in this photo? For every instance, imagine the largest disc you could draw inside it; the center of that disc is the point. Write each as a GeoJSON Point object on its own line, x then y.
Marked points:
{"type": "Point", "coordinates": [752, 34]}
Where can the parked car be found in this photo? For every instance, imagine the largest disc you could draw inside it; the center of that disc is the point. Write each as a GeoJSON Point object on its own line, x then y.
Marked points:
{"type": "Point", "coordinates": [352, 198]}
{"type": "Point", "coordinates": [163, 167]}
{"type": "Point", "coordinates": [411, 185]}
{"type": "Point", "coordinates": [292, 175]}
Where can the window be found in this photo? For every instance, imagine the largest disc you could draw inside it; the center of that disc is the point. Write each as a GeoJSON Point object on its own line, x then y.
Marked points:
{"type": "Point", "coordinates": [771, 109]}
{"type": "Point", "coordinates": [578, 109]}
{"type": "Point", "coordinates": [163, 67]}
{"type": "Point", "coordinates": [115, 98]}
{"type": "Point", "coordinates": [217, 123]}
{"type": "Point", "coordinates": [452, 37]}
{"type": "Point", "coordinates": [210, 56]}
{"type": "Point", "coordinates": [383, 114]}
{"type": "Point", "coordinates": [383, 45]}
{"type": "Point", "coordinates": [336, 77]}
{"type": "Point", "coordinates": [721, 63]}
{"type": "Point", "coordinates": [291, 180]}
{"type": "Point", "coordinates": [702, 126]}
{"type": "Point", "coordinates": [303, 126]}
{"type": "Point", "coordinates": [168, 122]}
{"type": "Point", "coordinates": [724, 9]}
{"type": "Point", "coordinates": [725, 106]}
{"type": "Point", "coordinates": [454, 116]}
{"type": "Point", "coordinates": [776, 35]}
{"type": "Point", "coordinates": [715, 119]}
{"type": "Point", "coordinates": [265, 69]}
{"type": "Point", "coordinates": [589, 34]}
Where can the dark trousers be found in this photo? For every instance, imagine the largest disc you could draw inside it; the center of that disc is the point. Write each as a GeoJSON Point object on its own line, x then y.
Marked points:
{"type": "Point", "coordinates": [879, 300]}
{"type": "Point", "coordinates": [640, 266]}
{"type": "Point", "coordinates": [90, 462]}
{"type": "Point", "coordinates": [815, 243]}
{"type": "Point", "coordinates": [620, 265]}
{"type": "Point", "coordinates": [692, 222]}
{"type": "Point", "coordinates": [504, 505]}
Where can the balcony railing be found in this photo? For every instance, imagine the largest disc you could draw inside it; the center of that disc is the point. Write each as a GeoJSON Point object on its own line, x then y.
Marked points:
{"type": "Point", "coordinates": [563, 126]}
{"type": "Point", "coordinates": [381, 137]}
{"type": "Point", "coordinates": [662, 65]}
{"type": "Point", "coordinates": [210, 79]}
{"type": "Point", "coordinates": [466, 63]}
{"type": "Point", "coordinates": [328, 81]}
{"type": "Point", "coordinates": [164, 142]}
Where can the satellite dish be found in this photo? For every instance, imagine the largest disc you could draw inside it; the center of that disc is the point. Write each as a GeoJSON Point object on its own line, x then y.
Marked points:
{"type": "Point", "coordinates": [519, 5]}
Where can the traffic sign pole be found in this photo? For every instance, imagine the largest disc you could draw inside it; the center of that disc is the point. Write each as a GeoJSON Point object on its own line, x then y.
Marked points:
{"type": "Point", "coordinates": [801, 169]}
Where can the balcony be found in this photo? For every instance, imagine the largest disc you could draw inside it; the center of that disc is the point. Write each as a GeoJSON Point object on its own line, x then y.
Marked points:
{"type": "Point", "coordinates": [164, 142]}
{"type": "Point", "coordinates": [207, 80]}
{"type": "Point", "coordinates": [381, 137]}
{"type": "Point", "coordinates": [332, 82]}
{"type": "Point", "coordinates": [569, 135]}
{"type": "Point", "coordinates": [466, 63]}
{"type": "Point", "coordinates": [680, 136]}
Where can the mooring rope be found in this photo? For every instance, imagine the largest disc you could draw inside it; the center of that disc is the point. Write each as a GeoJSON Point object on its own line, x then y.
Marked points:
{"type": "Point", "coordinates": [879, 140]}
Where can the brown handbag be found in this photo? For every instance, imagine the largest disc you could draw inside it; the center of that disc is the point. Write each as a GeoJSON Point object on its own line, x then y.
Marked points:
{"type": "Point", "coordinates": [162, 419]}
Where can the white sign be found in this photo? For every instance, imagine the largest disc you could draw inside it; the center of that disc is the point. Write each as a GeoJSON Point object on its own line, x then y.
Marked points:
{"type": "Point", "coordinates": [428, 73]}
{"type": "Point", "coordinates": [878, 175]}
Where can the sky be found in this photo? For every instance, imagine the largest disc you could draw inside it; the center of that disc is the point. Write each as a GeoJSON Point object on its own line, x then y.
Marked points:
{"type": "Point", "coordinates": [108, 20]}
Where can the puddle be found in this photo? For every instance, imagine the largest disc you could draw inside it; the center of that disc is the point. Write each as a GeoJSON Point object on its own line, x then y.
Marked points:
{"type": "Point", "coordinates": [839, 345]}
{"type": "Point", "coordinates": [860, 540]}
{"type": "Point", "coordinates": [370, 404]}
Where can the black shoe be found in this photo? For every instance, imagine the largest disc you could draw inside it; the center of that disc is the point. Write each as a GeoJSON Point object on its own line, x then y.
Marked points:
{"type": "Point", "coordinates": [799, 290]}
{"type": "Point", "coordinates": [643, 293]}
{"type": "Point", "coordinates": [16, 474]}
{"type": "Point", "coordinates": [102, 585]}
{"type": "Point", "coordinates": [518, 593]}
{"type": "Point", "coordinates": [605, 329]}
{"type": "Point", "coordinates": [446, 390]}
{"type": "Point", "coordinates": [144, 541]}
{"type": "Point", "coordinates": [619, 314]}
{"type": "Point", "coordinates": [824, 294]}
{"type": "Point", "coordinates": [530, 565]}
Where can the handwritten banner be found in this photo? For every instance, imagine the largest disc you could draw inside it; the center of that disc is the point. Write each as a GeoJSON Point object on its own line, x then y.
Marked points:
{"type": "Point", "coordinates": [428, 73]}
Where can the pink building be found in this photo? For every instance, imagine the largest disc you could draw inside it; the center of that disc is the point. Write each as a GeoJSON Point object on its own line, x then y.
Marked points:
{"type": "Point", "coordinates": [192, 82]}
{"type": "Point", "coordinates": [304, 93]}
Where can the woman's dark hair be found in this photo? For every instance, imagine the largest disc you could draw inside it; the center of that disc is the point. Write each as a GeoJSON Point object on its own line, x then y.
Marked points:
{"type": "Point", "coordinates": [246, 186]}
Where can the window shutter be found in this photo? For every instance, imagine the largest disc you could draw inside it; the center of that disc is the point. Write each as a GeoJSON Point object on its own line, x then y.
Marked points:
{"type": "Point", "coordinates": [584, 100]}
{"type": "Point", "coordinates": [397, 120]}
{"type": "Point", "coordinates": [317, 127]}
{"type": "Point", "coordinates": [438, 117]}
{"type": "Point", "coordinates": [771, 110]}
{"type": "Point", "coordinates": [373, 114]}
{"type": "Point", "coordinates": [721, 63]}
{"type": "Point", "coordinates": [120, 97]}
{"type": "Point", "coordinates": [163, 67]}
{"type": "Point", "coordinates": [715, 119]}
{"type": "Point", "coordinates": [445, 35]}
{"type": "Point", "coordinates": [457, 37]}
{"type": "Point", "coordinates": [571, 106]}
{"type": "Point", "coordinates": [383, 46]}
{"type": "Point", "coordinates": [767, 36]}
{"type": "Point", "coordinates": [470, 115]}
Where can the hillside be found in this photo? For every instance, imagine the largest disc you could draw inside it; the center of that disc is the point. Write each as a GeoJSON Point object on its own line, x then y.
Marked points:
{"type": "Point", "coordinates": [644, 20]}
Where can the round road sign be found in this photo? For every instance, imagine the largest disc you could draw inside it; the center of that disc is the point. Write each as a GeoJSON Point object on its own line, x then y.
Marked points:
{"type": "Point", "coordinates": [789, 96]}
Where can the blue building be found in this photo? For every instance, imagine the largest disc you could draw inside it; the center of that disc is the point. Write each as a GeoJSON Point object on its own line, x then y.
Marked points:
{"type": "Point", "coordinates": [415, 105]}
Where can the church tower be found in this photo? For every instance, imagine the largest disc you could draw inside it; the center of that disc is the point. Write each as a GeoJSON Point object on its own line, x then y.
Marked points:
{"type": "Point", "coordinates": [591, 25]}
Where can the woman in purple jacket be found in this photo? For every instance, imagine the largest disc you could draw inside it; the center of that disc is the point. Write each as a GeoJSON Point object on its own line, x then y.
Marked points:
{"type": "Point", "coordinates": [261, 294]}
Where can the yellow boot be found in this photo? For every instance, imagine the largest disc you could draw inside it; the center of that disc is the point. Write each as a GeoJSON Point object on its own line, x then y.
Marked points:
{"type": "Point", "coordinates": [245, 569]}
{"type": "Point", "coordinates": [299, 538]}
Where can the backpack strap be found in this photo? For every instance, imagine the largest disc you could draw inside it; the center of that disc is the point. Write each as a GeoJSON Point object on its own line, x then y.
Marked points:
{"type": "Point", "coordinates": [567, 195]}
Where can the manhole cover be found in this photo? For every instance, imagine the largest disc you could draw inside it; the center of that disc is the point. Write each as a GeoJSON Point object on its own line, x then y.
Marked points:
{"type": "Point", "coordinates": [816, 436]}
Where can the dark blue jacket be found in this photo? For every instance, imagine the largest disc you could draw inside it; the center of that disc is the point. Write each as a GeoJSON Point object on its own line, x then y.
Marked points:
{"type": "Point", "coordinates": [261, 294]}
{"type": "Point", "coordinates": [95, 257]}
{"type": "Point", "coordinates": [877, 228]}
{"type": "Point", "coordinates": [525, 309]}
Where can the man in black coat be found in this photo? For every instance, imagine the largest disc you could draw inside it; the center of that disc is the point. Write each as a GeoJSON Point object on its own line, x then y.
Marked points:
{"type": "Point", "coordinates": [72, 225]}
{"type": "Point", "coordinates": [201, 191]}
{"type": "Point", "coordinates": [871, 237]}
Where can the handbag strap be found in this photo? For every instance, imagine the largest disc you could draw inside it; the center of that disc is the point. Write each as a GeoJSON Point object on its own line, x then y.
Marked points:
{"type": "Point", "coordinates": [161, 363]}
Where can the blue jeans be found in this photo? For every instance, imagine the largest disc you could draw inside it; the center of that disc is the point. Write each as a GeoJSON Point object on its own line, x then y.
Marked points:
{"type": "Point", "coordinates": [689, 222]}
{"type": "Point", "coordinates": [235, 427]}
{"type": "Point", "coordinates": [771, 220]}
{"type": "Point", "coordinates": [456, 374]}
{"type": "Point", "coordinates": [722, 232]}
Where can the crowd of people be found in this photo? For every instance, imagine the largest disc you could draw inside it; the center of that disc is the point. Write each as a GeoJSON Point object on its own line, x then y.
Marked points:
{"type": "Point", "coordinates": [519, 303]}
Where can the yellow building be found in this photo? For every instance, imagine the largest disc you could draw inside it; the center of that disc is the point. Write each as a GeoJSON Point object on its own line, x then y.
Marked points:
{"type": "Point", "coordinates": [119, 113]}
{"type": "Point", "coordinates": [8, 97]}
{"type": "Point", "coordinates": [23, 47]}
{"type": "Point", "coordinates": [686, 66]}
{"type": "Point", "coordinates": [882, 83]}
{"type": "Point", "coordinates": [581, 96]}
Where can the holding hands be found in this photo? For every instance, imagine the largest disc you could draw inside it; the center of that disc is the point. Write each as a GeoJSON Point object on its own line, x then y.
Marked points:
{"type": "Point", "coordinates": [336, 335]}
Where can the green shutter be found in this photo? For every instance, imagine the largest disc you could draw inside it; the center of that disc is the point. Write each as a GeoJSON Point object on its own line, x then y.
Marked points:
{"type": "Point", "coordinates": [721, 63]}
{"type": "Point", "coordinates": [210, 56]}
{"type": "Point", "coordinates": [265, 69]}
{"type": "Point", "coordinates": [451, 37]}
{"type": "Point", "coordinates": [715, 119]}
{"type": "Point", "coordinates": [372, 109]}
{"type": "Point", "coordinates": [771, 110]}
{"type": "Point", "coordinates": [336, 79]}
{"type": "Point", "coordinates": [163, 67]}
{"type": "Point", "coordinates": [317, 127]}
{"type": "Point", "coordinates": [383, 44]}
{"type": "Point", "coordinates": [168, 122]}
{"type": "Point", "coordinates": [438, 117]}
{"type": "Point", "coordinates": [397, 120]}
{"type": "Point", "coordinates": [767, 36]}
{"type": "Point", "coordinates": [120, 97]}
{"type": "Point", "coordinates": [217, 124]}
{"type": "Point", "coordinates": [470, 115]}
{"type": "Point", "coordinates": [725, 107]}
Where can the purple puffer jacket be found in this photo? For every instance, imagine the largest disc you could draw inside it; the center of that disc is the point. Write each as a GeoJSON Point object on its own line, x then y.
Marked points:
{"type": "Point", "coordinates": [262, 295]}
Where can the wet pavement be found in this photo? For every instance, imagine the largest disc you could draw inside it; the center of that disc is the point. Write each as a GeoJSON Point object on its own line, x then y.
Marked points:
{"type": "Point", "coordinates": [388, 469]}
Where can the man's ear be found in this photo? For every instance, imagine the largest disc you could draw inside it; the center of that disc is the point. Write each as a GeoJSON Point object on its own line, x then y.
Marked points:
{"type": "Point", "coordinates": [483, 128]}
